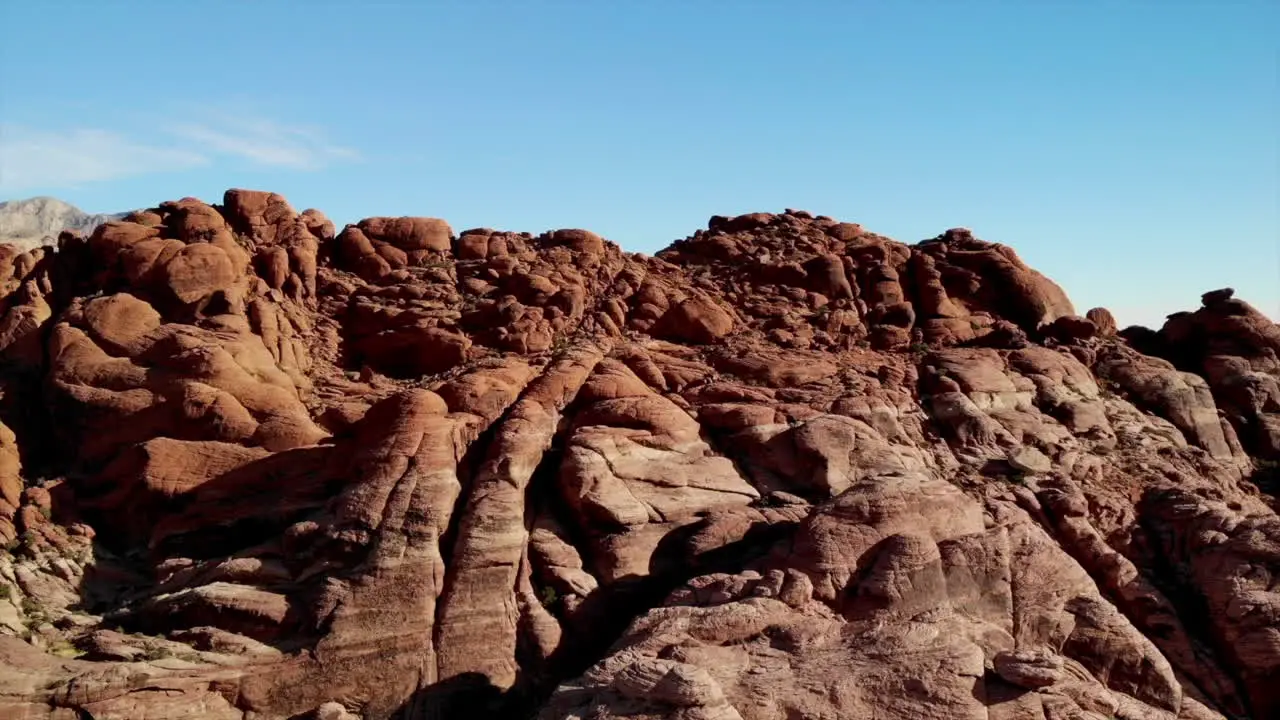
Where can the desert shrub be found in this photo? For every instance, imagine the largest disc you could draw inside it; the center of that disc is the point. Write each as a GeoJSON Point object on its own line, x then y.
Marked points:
{"type": "Point", "coordinates": [64, 649]}
{"type": "Point", "coordinates": [156, 652]}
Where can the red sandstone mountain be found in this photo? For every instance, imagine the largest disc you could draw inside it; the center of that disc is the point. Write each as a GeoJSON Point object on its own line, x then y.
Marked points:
{"type": "Point", "coordinates": [787, 468]}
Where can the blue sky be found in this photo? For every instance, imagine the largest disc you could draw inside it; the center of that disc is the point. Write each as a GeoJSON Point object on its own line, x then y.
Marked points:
{"type": "Point", "coordinates": [1127, 149]}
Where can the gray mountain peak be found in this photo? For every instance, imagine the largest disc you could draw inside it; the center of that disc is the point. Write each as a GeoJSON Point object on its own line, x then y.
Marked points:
{"type": "Point", "coordinates": [37, 221]}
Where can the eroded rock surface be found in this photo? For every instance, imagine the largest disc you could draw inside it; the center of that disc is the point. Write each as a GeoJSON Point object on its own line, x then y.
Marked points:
{"type": "Point", "coordinates": [256, 466]}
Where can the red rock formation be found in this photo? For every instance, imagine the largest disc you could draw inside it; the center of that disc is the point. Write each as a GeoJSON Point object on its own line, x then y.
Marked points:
{"type": "Point", "coordinates": [1237, 350]}
{"type": "Point", "coordinates": [785, 468]}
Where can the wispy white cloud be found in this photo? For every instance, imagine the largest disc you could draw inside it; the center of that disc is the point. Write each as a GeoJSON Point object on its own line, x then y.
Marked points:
{"type": "Point", "coordinates": [31, 158]}
{"type": "Point", "coordinates": [264, 142]}
{"type": "Point", "coordinates": [49, 159]}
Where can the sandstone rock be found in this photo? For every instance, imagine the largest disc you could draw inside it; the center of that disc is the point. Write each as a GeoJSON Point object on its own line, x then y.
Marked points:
{"type": "Point", "coordinates": [333, 711]}
{"type": "Point", "coordinates": [479, 618]}
{"type": "Point", "coordinates": [1072, 329]}
{"type": "Point", "coordinates": [391, 473]}
{"type": "Point", "coordinates": [11, 483]}
{"type": "Point", "coordinates": [1183, 398]}
{"type": "Point", "coordinates": [1103, 320]}
{"type": "Point", "coordinates": [1031, 669]}
{"type": "Point", "coordinates": [259, 215]}
{"type": "Point", "coordinates": [1030, 460]}
{"type": "Point", "coordinates": [696, 320]}
{"type": "Point", "coordinates": [409, 233]}
{"type": "Point", "coordinates": [416, 350]}
{"type": "Point", "coordinates": [1237, 350]}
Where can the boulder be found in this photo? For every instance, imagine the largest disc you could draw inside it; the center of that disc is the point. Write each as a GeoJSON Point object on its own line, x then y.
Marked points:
{"type": "Point", "coordinates": [695, 320]}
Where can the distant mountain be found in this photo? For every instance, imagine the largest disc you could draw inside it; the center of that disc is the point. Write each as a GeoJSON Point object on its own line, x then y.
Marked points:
{"type": "Point", "coordinates": [37, 221]}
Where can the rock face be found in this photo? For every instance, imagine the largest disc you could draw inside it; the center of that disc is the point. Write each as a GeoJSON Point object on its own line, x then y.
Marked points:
{"type": "Point", "coordinates": [1236, 349]}
{"type": "Point", "coordinates": [254, 466]}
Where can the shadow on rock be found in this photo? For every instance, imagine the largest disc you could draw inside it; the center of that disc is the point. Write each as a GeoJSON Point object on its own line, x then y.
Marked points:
{"type": "Point", "coordinates": [1266, 475]}
{"type": "Point", "coordinates": [469, 696]}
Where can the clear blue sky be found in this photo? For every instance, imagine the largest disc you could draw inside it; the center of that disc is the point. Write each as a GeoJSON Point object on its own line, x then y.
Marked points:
{"type": "Point", "coordinates": [1127, 149]}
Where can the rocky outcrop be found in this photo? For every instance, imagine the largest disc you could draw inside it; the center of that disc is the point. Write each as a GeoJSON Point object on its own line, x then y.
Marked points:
{"type": "Point", "coordinates": [256, 466]}
{"type": "Point", "coordinates": [896, 599]}
{"type": "Point", "coordinates": [1236, 349]}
